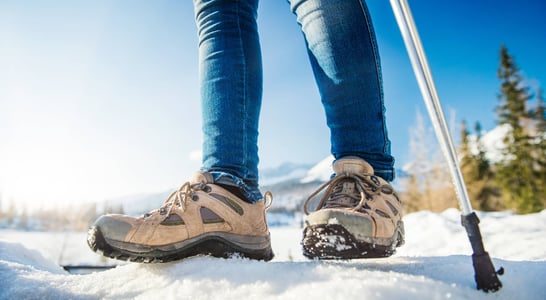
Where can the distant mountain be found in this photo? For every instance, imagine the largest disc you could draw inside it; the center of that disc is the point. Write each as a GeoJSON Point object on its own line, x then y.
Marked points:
{"type": "Point", "coordinates": [290, 184]}
{"type": "Point", "coordinates": [290, 194]}
{"type": "Point", "coordinates": [322, 171]}
{"type": "Point", "coordinates": [284, 172]}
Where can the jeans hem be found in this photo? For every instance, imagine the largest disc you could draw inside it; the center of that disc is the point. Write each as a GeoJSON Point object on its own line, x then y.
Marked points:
{"type": "Point", "coordinates": [252, 193]}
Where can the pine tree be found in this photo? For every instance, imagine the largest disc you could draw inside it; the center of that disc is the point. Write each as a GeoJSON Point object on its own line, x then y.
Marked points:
{"type": "Point", "coordinates": [540, 113]}
{"type": "Point", "coordinates": [477, 173]}
{"type": "Point", "coordinates": [539, 139]}
{"type": "Point", "coordinates": [517, 173]}
{"type": "Point", "coordinates": [539, 118]}
{"type": "Point", "coordinates": [428, 186]}
{"type": "Point", "coordinates": [24, 218]}
{"type": "Point", "coordinates": [483, 164]}
{"type": "Point", "coordinates": [412, 195]}
{"type": "Point", "coordinates": [11, 214]}
{"type": "Point", "coordinates": [469, 167]}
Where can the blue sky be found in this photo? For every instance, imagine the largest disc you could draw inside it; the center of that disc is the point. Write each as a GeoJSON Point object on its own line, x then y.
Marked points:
{"type": "Point", "coordinates": [99, 99]}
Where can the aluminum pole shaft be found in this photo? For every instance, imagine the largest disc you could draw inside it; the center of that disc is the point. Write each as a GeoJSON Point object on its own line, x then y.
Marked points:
{"type": "Point", "coordinates": [484, 271]}
{"type": "Point", "coordinates": [432, 102]}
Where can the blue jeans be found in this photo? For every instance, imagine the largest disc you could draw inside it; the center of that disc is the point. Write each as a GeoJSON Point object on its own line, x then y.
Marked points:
{"type": "Point", "coordinates": [343, 54]}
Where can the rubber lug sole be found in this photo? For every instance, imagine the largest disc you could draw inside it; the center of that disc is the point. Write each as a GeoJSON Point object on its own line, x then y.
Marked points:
{"type": "Point", "coordinates": [210, 246]}
{"type": "Point", "coordinates": [333, 241]}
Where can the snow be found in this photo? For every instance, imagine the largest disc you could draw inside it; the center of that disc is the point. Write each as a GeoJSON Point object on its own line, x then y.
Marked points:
{"type": "Point", "coordinates": [433, 264]}
{"type": "Point", "coordinates": [492, 142]}
{"type": "Point", "coordinates": [284, 172]}
{"type": "Point", "coordinates": [320, 172]}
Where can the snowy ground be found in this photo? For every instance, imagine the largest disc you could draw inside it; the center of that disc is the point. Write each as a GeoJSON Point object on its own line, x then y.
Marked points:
{"type": "Point", "coordinates": [434, 264]}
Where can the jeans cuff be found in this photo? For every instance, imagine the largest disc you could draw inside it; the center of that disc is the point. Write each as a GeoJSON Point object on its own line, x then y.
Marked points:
{"type": "Point", "coordinates": [388, 175]}
{"type": "Point", "coordinates": [252, 193]}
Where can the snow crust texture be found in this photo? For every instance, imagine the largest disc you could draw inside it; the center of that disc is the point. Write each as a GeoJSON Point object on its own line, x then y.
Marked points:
{"type": "Point", "coordinates": [434, 264]}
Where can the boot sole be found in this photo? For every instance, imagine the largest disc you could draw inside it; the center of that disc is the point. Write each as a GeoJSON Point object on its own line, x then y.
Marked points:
{"type": "Point", "coordinates": [208, 245]}
{"type": "Point", "coordinates": [333, 241]}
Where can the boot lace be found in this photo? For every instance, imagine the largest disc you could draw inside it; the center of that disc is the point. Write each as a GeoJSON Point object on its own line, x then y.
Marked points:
{"type": "Point", "coordinates": [180, 196]}
{"type": "Point", "coordinates": [366, 186]}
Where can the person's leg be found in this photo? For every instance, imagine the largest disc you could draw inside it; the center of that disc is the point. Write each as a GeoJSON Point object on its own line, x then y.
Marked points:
{"type": "Point", "coordinates": [231, 89]}
{"type": "Point", "coordinates": [343, 53]}
{"type": "Point", "coordinates": [220, 210]}
{"type": "Point", "coordinates": [359, 214]}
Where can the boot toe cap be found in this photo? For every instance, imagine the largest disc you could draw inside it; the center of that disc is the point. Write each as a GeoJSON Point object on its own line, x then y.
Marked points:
{"type": "Point", "coordinates": [113, 228]}
{"type": "Point", "coordinates": [357, 224]}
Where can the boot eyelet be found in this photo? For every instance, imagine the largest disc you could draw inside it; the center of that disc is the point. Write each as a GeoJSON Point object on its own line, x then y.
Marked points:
{"type": "Point", "coordinates": [386, 189]}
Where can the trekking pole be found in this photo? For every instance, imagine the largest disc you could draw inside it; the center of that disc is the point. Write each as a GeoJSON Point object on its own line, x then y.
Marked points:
{"type": "Point", "coordinates": [484, 271]}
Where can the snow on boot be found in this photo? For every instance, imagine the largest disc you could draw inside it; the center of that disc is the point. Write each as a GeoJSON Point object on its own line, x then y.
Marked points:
{"type": "Point", "coordinates": [359, 215]}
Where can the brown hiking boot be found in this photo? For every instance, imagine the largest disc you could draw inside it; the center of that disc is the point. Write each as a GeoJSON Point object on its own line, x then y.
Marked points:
{"type": "Point", "coordinates": [359, 215]}
{"type": "Point", "coordinates": [200, 218]}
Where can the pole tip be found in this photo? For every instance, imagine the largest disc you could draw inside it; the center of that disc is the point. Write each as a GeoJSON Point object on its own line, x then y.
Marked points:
{"type": "Point", "coordinates": [485, 274]}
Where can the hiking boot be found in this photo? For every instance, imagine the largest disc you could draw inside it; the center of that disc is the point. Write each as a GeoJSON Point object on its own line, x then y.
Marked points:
{"type": "Point", "coordinates": [359, 215]}
{"type": "Point", "coordinates": [200, 218]}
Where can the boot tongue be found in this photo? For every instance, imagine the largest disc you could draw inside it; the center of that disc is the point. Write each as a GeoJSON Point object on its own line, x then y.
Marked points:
{"type": "Point", "coordinates": [352, 165]}
{"type": "Point", "coordinates": [344, 194]}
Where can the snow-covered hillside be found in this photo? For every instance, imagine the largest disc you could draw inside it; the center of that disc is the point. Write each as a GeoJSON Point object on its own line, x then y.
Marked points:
{"type": "Point", "coordinates": [491, 143]}
{"type": "Point", "coordinates": [433, 264]}
{"type": "Point", "coordinates": [290, 183]}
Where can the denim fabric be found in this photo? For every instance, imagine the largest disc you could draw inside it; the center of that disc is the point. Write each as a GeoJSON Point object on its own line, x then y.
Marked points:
{"type": "Point", "coordinates": [231, 85]}
{"type": "Point", "coordinates": [343, 53]}
{"type": "Point", "coordinates": [251, 192]}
